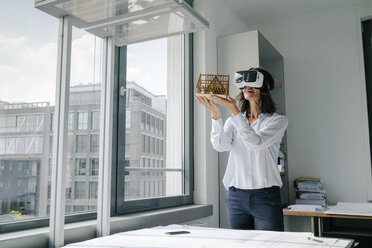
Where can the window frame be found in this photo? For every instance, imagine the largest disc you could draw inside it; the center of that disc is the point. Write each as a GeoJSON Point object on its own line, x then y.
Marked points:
{"type": "Point", "coordinates": [118, 205]}
{"type": "Point", "coordinates": [38, 222]}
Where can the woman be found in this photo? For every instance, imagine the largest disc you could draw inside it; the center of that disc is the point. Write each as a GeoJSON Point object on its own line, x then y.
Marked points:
{"type": "Point", "coordinates": [252, 135]}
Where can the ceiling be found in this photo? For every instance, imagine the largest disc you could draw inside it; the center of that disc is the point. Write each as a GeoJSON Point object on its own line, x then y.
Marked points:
{"type": "Point", "coordinates": [260, 11]}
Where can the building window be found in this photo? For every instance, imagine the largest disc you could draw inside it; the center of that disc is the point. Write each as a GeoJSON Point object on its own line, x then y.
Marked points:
{"type": "Point", "coordinates": [148, 121]}
{"type": "Point", "coordinates": [127, 163]}
{"type": "Point", "coordinates": [143, 120]}
{"type": "Point", "coordinates": [79, 192]}
{"type": "Point", "coordinates": [93, 190]}
{"type": "Point", "coordinates": [80, 167]}
{"type": "Point", "coordinates": [82, 121]}
{"type": "Point", "coordinates": [156, 125]}
{"type": "Point", "coordinates": [143, 143]}
{"type": "Point", "coordinates": [147, 144]}
{"type": "Point", "coordinates": [82, 143]}
{"type": "Point", "coordinates": [51, 122]}
{"type": "Point", "coordinates": [152, 145]}
{"type": "Point", "coordinates": [21, 123]}
{"type": "Point", "coordinates": [94, 165]}
{"type": "Point", "coordinates": [127, 119]}
{"type": "Point", "coordinates": [20, 145]}
{"type": "Point", "coordinates": [157, 144]}
{"type": "Point", "coordinates": [95, 120]}
{"type": "Point", "coordinates": [94, 143]}
{"type": "Point", "coordinates": [68, 193]}
{"type": "Point", "coordinates": [161, 147]}
{"type": "Point", "coordinates": [51, 144]}
{"type": "Point", "coordinates": [31, 123]}
{"type": "Point", "coordinates": [161, 127]}
{"type": "Point", "coordinates": [71, 121]}
{"type": "Point", "coordinates": [152, 124]}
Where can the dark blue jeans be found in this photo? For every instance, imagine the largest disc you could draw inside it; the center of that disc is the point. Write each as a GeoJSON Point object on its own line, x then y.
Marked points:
{"type": "Point", "coordinates": [259, 209]}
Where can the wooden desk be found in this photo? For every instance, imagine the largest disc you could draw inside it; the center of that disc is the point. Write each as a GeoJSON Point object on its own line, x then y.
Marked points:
{"type": "Point", "coordinates": [316, 218]}
{"type": "Point", "coordinates": [355, 227]}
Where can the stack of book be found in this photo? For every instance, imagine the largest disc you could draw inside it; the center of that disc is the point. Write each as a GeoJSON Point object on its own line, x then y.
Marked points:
{"type": "Point", "coordinates": [309, 191]}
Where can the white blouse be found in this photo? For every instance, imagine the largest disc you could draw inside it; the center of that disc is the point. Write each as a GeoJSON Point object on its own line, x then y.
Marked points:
{"type": "Point", "coordinates": [254, 149]}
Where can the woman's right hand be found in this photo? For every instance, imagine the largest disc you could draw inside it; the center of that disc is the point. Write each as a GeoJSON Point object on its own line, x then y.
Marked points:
{"type": "Point", "coordinates": [213, 107]}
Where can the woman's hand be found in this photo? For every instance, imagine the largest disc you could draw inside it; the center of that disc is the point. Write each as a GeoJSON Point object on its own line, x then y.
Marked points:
{"type": "Point", "coordinates": [228, 103]}
{"type": "Point", "coordinates": [214, 108]}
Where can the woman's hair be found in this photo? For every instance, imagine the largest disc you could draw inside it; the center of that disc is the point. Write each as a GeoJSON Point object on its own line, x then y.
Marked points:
{"type": "Point", "coordinates": [267, 103]}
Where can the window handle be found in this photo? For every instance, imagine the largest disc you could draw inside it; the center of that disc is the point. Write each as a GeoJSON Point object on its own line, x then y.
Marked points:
{"type": "Point", "coordinates": [122, 90]}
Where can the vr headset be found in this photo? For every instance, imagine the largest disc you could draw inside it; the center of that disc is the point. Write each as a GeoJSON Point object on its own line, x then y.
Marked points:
{"type": "Point", "coordinates": [251, 78]}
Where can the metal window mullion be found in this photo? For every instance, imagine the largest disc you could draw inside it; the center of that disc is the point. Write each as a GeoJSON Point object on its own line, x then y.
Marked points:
{"type": "Point", "coordinates": [105, 151]}
{"type": "Point", "coordinates": [57, 205]}
{"type": "Point", "coordinates": [186, 115]}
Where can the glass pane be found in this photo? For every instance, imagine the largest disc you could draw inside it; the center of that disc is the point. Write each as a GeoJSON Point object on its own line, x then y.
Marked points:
{"type": "Point", "coordinates": [152, 167]}
{"type": "Point", "coordinates": [97, 10]}
{"type": "Point", "coordinates": [84, 118]}
{"type": "Point", "coordinates": [130, 21]}
{"type": "Point", "coordinates": [28, 62]}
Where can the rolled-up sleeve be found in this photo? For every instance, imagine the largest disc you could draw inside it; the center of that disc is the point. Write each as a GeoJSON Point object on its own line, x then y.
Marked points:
{"type": "Point", "coordinates": [221, 135]}
{"type": "Point", "coordinates": [264, 138]}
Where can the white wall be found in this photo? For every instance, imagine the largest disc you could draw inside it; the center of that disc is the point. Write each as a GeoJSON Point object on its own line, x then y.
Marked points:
{"type": "Point", "coordinates": [222, 22]}
{"type": "Point", "coordinates": [326, 102]}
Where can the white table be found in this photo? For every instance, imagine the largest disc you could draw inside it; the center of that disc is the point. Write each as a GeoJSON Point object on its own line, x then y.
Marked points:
{"type": "Point", "coordinates": [210, 237]}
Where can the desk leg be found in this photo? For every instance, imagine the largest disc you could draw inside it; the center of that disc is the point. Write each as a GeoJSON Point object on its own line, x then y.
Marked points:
{"type": "Point", "coordinates": [317, 226]}
{"type": "Point", "coordinates": [320, 226]}
{"type": "Point", "coordinates": [312, 225]}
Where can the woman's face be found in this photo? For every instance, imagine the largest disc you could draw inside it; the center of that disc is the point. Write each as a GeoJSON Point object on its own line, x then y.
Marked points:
{"type": "Point", "coordinates": [251, 93]}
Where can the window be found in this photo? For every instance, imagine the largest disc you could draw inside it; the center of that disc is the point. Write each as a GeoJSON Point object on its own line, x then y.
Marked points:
{"type": "Point", "coordinates": [154, 105]}
{"type": "Point", "coordinates": [161, 127]}
{"type": "Point", "coordinates": [94, 143]}
{"type": "Point", "coordinates": [152, 124]}
{"type": "Point", "coordinates": [148, 120]}
{"type": "Point", "coordinates": [152, 145]}
{"type": "Point", "coordinates": [143, 143]}
{"type": "Point", "coordinates": [79, 192]}
{"type": "Point", "coordinates": [147, 144]}
{"type": "Point", "coordinates": [157, 145]}
{"type": "Point", "coordinates": [82, 143]}
{"type": "Point", "coordinates": [94, 167]}
{"type": "Point", "coordinates": [143, 120]}
{"type": "Point", "coordinates": [68, 193]}
{"type": "Point", "coordinates": [27, 122]}
{"type": "Point", "coordinates": [26, 113]}
{"type": "Point", "coordinates": [51, 122]}
{"type": "Point", "coordinates": [156, 125]}
{"type": "Point", "coordinates": [80, 167]}
{"type": "Point", "coordinates": [93, 189]}
{"type": "Point", "coordinates": [95, 120]}
{"type": "Point", "coordinates": [20, 145]}
{"type": "Point", "coordinates": [127, 119]}
{"type": "Point", "coordinates": [82, 121]}
{"type": "Point", "coordinates": [21, 123]}
{"type": "Point", "coordinates": [50, 144]}
{"type": "Point", "coordinates": [71, 121]}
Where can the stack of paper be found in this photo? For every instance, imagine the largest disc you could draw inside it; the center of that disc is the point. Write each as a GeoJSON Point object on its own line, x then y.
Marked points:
{"type": "Point", "coordinates": [309, 191]}
{"type": "Point", "coordinates": [351, 208]}
{"type": "Point", "coordinates": [302, 207]}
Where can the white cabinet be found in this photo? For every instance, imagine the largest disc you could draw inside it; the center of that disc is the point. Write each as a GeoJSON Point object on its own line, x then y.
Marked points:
{"type": "Point", "coordinates": [241, 52]}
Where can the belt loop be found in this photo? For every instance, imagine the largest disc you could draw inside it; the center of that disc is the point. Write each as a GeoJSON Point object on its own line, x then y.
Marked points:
{"type": "Point", "coordinates": [232, 188]}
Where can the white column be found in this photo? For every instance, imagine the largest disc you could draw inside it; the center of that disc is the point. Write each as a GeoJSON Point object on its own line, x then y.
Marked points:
{"type": "Point", "coordinates": [57, 203]}
{"type": "Point", "coordinates": [105, 150]}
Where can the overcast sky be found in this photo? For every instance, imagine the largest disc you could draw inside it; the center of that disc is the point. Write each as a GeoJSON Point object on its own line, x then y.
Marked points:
{"type": "Point", "coordinates": [28, 48]}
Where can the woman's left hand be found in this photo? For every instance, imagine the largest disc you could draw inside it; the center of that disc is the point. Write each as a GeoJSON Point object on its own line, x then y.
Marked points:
{"type": "Point", "coordinates": [228, 103]}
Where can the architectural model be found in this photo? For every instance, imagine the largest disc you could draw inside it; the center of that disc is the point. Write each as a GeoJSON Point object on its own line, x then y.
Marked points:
{"type": "Point", "coordinates": [213, 84]}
